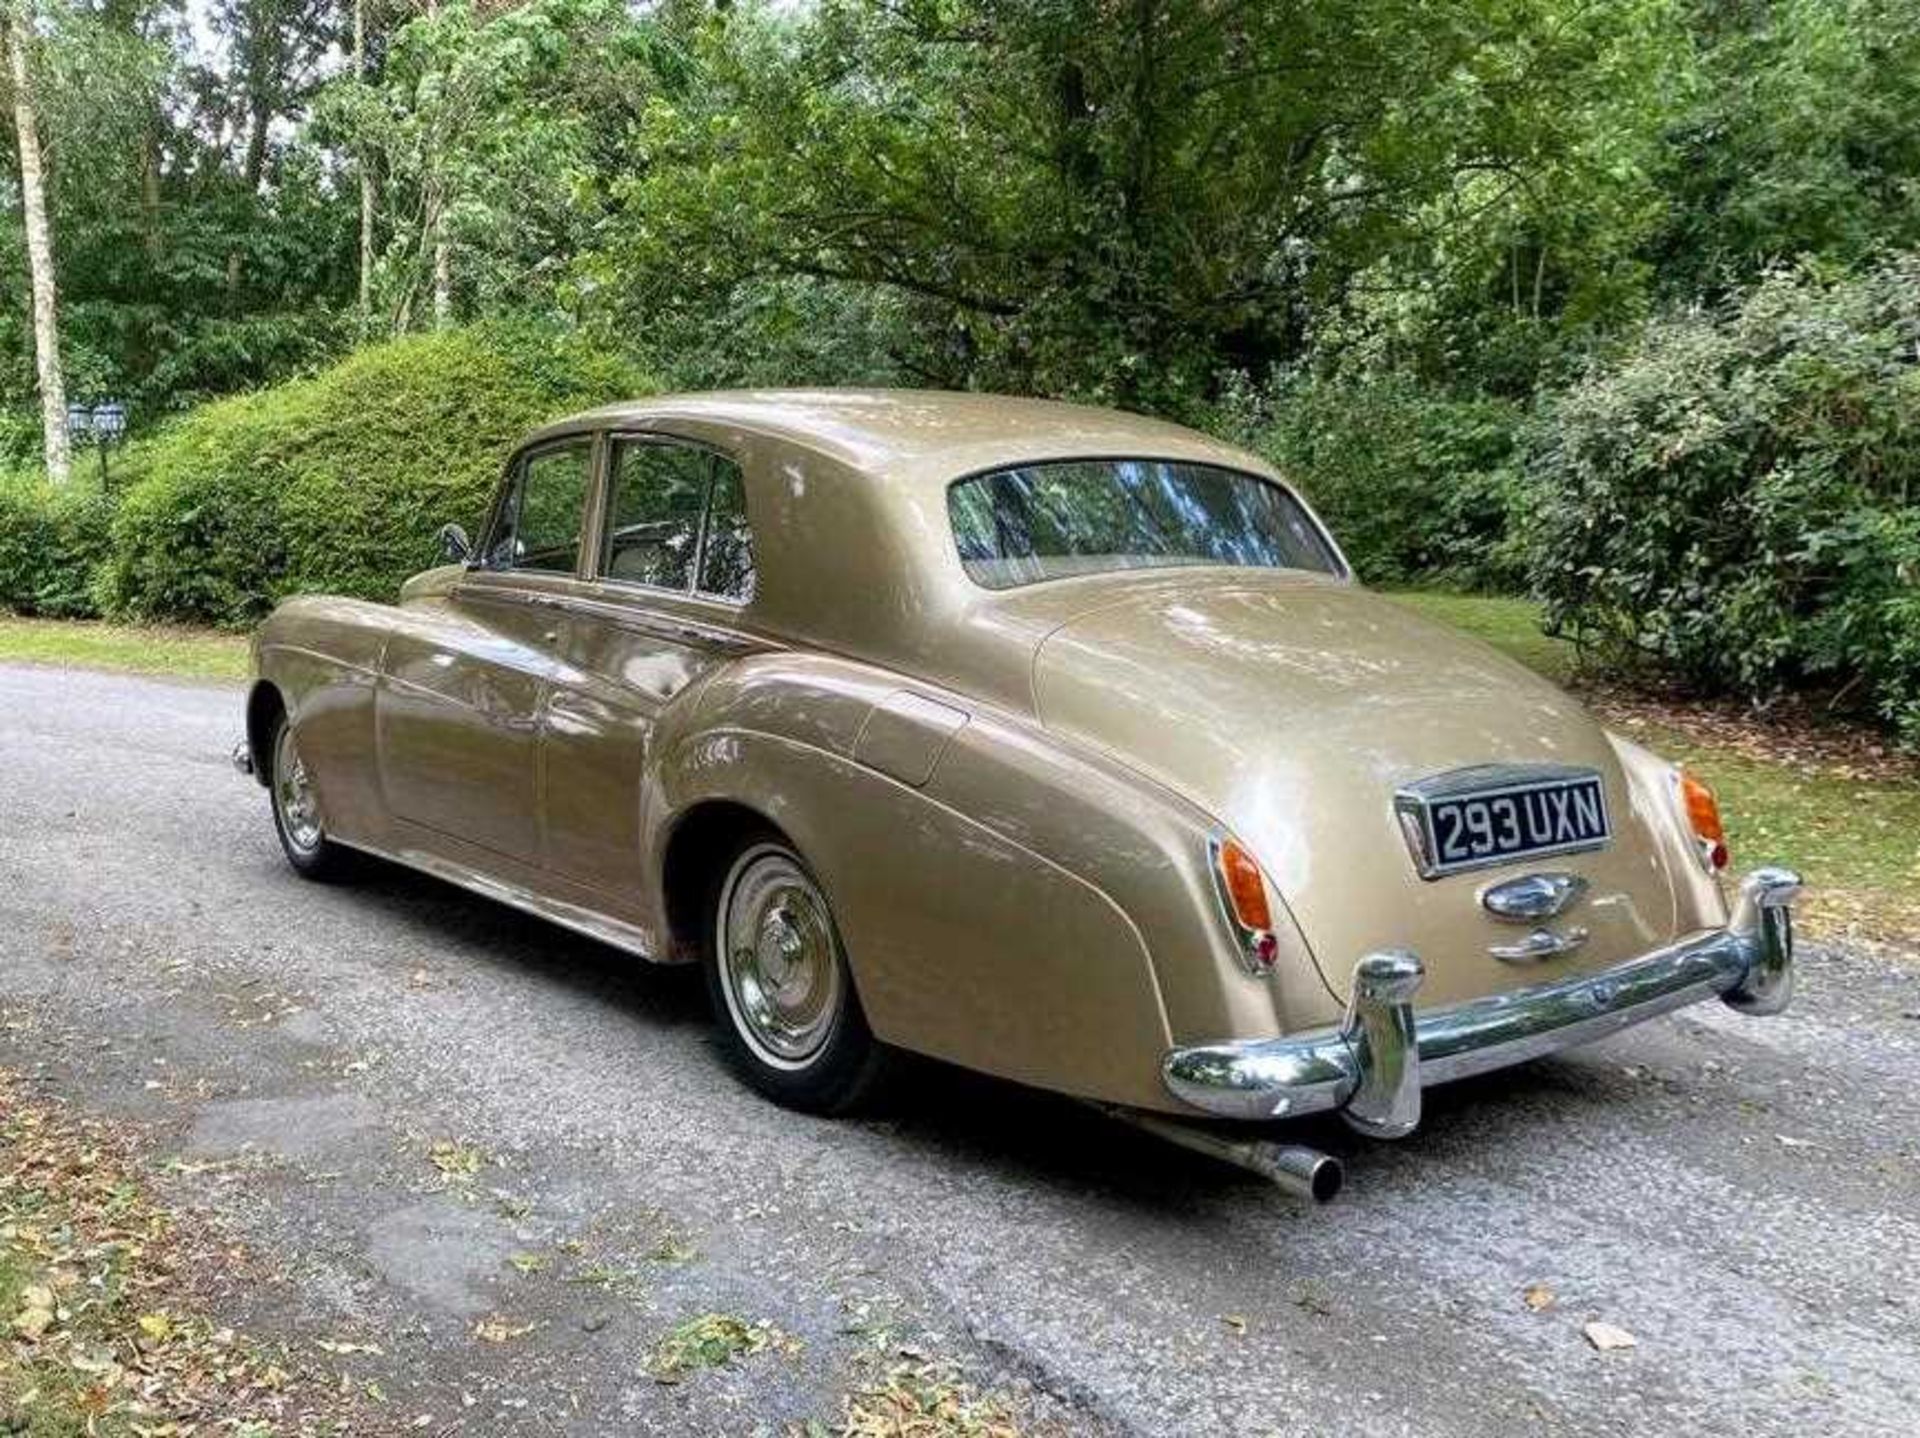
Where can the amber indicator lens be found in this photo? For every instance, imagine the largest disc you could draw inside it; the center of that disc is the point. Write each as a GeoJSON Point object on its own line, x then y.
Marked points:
{"type": "Point", "coordinates": [1703, 812]}
{"type": "Point", "coordinates": [1246, 890]}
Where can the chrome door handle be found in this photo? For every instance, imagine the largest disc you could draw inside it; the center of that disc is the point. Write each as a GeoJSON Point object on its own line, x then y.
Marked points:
{"type": "Point", "coordinates": [1538, 945]}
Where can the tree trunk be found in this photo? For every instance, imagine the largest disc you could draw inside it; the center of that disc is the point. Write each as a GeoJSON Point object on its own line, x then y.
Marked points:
{"type": "Point", "coordinates": [150, 196]}
{"type": "Point", "coordinates": [366, 173]}
{"type": "Point", "coordinates": [442, 271]}
{"type": "Point", "coordinates": [442, 251]}
{"type": "Point", "coordinates": [17, 24]}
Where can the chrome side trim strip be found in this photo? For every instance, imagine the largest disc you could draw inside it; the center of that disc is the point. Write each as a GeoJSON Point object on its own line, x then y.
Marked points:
{"type": "Point", "coordinates": [1364, 1065]}
{"type": "Point", "coordinates": [630, 938]}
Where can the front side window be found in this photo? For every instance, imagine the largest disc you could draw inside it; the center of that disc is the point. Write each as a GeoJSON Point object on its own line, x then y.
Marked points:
{"type": "Point", "coordinates": [677, 520]}
{"type": "Point", "coordinates": [1057, 519]}
{"type": "Point", "coordinates": [539, 523]}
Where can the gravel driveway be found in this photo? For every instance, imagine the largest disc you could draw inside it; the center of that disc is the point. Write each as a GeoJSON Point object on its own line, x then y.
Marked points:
{"type": "Point", "coordinates": [1742, 1196]}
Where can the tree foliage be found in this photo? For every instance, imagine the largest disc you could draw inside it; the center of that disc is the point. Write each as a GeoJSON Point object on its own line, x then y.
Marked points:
{"type": "Point", "coordinates": [1736, 496]}
{"type": "Point", "coordinates": [1116, 200]}
{"type": "Point", "coordinates": [1373, 236]}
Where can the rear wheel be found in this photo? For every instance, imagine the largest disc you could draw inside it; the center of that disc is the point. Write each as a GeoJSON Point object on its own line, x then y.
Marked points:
{"type": "Point", "coordinates": [781, 988]}
{"type": "Point", "coordinates": [296, 811]}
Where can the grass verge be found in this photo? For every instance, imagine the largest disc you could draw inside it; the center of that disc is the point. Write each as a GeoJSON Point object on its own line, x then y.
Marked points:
{"type": "Point", "coordinates": [133, 648]}
{"type": "Point", "coordinates": [1832, 804]}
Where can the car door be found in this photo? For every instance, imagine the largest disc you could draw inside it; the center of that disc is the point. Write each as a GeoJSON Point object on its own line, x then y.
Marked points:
{"type": "Point", "coordinates": [674, 572]}
{"type": "Point", "coordinates": [464, 684]}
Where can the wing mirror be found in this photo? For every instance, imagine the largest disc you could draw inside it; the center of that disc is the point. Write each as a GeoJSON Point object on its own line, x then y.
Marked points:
{"type": "Point", "coordinates": [455, 544]}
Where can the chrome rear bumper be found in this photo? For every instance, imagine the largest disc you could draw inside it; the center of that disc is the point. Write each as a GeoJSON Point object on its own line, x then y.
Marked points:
{"type": "Point", "coordinates": [1373, 1066]}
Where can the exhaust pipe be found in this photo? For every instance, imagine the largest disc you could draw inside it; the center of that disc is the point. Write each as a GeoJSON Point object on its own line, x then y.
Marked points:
{"type": "Point", "coordinates": [1301, 1171]}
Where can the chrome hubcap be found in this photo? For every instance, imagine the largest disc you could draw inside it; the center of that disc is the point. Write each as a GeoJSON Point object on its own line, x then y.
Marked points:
{"type": "Point", "coordinates": [293, 795]}
{"type": "Point", "coordinates": [780, 958]}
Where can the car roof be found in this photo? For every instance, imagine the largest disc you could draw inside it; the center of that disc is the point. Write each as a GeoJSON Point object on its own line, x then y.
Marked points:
{"type": "Point", "coordinates": [933, 434]}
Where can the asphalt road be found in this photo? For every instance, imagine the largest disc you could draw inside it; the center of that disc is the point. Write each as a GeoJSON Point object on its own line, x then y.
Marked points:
{"type": "Point", "coordinates": [1743, 1196]}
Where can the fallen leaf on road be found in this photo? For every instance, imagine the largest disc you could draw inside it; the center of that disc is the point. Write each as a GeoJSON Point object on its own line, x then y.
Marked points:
{"type": "Point", "coordinates": [1234, 1321]}
{"type": "Point", "coordinates": [498, 1330]}
{"type": "Point", "coordinates": [714, 1340]}
{"type": "Point", "coordinates": [455, 1160]}
{"type": "Point", "coordinates": [342, 1348]}
{"type": "Point", "coordinates": [1606, 1336]}
{"type": "Point", "coordinates": [1537, 1296]}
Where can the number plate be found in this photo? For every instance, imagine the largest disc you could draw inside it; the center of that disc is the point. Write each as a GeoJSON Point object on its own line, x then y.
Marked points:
{"type": "Point", "coordinates": [1473, 818]}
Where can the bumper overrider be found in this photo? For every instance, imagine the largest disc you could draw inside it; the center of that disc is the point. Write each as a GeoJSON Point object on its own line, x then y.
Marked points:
{"type": "Point", "coordinates": [1373, 1065]}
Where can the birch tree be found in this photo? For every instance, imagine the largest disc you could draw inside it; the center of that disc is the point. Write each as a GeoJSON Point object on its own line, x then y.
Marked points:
{"type": "Point", "coordinates": [16, 21]}
{"type": "Point", "coordinates": [367, 199]}
{"type": "Point", "coordinates": [437, 223]}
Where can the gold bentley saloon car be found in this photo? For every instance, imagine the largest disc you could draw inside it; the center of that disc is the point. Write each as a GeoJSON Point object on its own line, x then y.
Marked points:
{"type": "Point", "coordinates": [1054, 742]}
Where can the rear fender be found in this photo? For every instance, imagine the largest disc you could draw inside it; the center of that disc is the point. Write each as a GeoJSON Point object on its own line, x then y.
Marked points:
{"type": "Point", "coordinates": [1006, 904]}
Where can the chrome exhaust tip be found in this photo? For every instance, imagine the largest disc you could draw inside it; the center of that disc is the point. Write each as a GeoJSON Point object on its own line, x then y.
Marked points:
{"type": "Point", "coordinates": [1292, 1167]}
{"type": "Point", "coordinates": [1303, 1172]}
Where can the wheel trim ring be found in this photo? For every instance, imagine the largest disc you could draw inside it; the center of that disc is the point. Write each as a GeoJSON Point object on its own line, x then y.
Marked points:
{"type": "Point", "coordinates": [293, 799]}
{"type": "Point", "coordinates": [785, 1006]}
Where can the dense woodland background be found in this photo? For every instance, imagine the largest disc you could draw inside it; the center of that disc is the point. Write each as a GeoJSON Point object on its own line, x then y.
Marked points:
{"type": "Point", "coordinates": [1615, 301]}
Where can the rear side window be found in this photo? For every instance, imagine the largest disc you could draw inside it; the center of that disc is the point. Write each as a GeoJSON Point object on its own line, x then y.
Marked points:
{"type": "Point", "coordinates": [659, 495]}
{"type": "Point", "coordinates": [677, 520]}
{"type": "Point", "coordinates": [539, 524]}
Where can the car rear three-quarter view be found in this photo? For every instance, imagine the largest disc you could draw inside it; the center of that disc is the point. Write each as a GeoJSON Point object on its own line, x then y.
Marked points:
{"type": "Point", "coordinates": [1050, 741]}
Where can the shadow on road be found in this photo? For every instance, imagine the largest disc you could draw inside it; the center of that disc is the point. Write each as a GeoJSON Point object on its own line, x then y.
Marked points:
{"type": "Point", "coordinates": [971, 1124]}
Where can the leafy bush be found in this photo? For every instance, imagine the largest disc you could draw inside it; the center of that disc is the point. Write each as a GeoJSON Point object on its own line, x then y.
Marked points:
{"type": "Point", "coordinates": [51, 543]}
{"type": "Point", "coordinates": [339, 482]}
{"type": "Point", "coordinates": [1735, 494]}
{"type": "Point", "coordinates": [1416, 485]}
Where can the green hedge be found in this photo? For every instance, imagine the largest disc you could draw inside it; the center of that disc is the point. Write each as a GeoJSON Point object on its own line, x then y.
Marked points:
{"type": "Point", "coordinates": [339, 482]}
{"type": "Point", "coordinates": [1416, 484]}
{"type": "Point", "coordinates": [1738, 495]}
{"type": "Point", "coordinates": [52, 543]}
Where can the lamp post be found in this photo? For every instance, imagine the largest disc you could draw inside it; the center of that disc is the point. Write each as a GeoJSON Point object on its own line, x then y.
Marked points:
{"type": "Point", "coordinates": [104, 424]}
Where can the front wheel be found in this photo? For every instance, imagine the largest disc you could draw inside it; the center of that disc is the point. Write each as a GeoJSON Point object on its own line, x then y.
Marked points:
{"type": "Point", "coordinates": [296, 812]}
{"type": "Point", "coordinates": [780, 984]}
